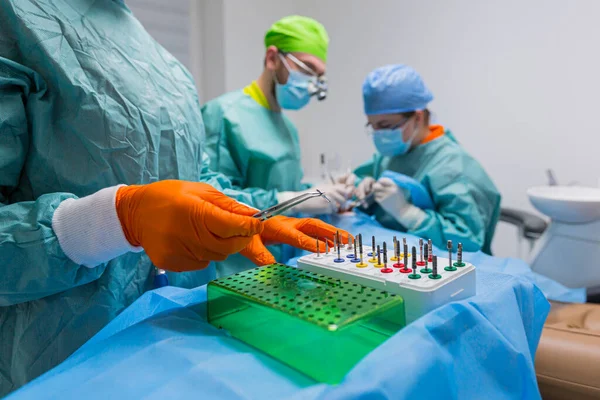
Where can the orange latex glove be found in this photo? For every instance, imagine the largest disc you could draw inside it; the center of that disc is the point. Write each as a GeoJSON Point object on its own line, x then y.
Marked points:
{"type": "Point", "coordinates": [297, 232]}
{"type": "Point", "coordinates": [182, 225]}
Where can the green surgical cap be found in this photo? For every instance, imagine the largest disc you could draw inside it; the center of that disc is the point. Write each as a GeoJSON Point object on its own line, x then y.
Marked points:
{"type": "Point", "coordinates": [299, 34]}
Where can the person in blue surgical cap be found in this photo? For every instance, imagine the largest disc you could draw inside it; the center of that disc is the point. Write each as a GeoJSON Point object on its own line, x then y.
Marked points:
{"type": "Point", "coordinates": [103, 176]}
{"type": "Point", "coordinates": [458, 199]}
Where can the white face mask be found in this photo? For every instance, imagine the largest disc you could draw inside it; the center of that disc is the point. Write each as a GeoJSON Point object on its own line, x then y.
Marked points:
{"type": "Point", "coordinates": [390, 142]}
{"type": "Point", "coordinates": [294, 94]}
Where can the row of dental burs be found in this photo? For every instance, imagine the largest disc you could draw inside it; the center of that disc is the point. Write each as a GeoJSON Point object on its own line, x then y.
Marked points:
{"type": "Point", "coordinates": [426, 257]}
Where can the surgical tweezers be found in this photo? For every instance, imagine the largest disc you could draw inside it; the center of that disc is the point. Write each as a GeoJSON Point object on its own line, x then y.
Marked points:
{"type": "Point", "coordinates": [286, 205]}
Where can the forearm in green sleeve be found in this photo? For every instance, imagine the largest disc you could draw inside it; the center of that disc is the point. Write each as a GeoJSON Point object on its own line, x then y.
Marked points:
{"type": "Point", "coordinates": [33, 263]}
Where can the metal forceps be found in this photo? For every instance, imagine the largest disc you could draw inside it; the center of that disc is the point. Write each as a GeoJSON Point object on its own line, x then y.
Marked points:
{"type": "Point", "coordinates": [286, 205]}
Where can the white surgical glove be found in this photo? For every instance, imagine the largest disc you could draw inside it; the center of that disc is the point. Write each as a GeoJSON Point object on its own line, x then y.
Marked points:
{"type": "Point", "coordinates": [365, 187]}
{"type": "Point", "coordinates": [391, 198]}
{"type": "Point", "coordinates": [348, 179]}
{"type": "Point", "coordinates": [337, 193]}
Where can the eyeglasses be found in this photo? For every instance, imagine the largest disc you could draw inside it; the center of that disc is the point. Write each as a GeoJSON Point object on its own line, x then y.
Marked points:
{"type": "Point", "coordinates": [370, 130]}
{"type": "Point", "coordinates": [317, 85]}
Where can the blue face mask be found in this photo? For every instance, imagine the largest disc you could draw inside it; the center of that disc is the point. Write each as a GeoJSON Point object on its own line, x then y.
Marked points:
{"type": "Point", "coordinates": [294, 94]}
{"type": "Point", "coordinates": [390, 142]}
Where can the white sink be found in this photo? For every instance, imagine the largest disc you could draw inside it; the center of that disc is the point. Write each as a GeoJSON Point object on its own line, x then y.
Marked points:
{"type": "Point", "coordinates": [569, 204]}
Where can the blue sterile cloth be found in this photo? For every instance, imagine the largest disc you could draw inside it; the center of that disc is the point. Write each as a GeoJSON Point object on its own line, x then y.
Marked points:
{"type": "Point", "coordinates": [162, 347]}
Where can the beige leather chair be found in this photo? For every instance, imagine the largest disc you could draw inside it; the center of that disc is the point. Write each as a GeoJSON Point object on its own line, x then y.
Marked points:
{"type": "Point", "coordinates": [567, 361]}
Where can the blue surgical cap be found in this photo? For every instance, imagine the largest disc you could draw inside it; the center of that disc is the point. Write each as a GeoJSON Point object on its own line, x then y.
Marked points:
{"type": "Point", "coordinates": [395, 89]}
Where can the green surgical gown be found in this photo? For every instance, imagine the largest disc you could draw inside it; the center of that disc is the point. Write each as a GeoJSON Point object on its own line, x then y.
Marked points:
{"type": "Point", "coordinates": [87, 100]}
{"type": "Point", "coordinates": [258, 150]}
{"type": "Point", "coordinates": [467, 203]}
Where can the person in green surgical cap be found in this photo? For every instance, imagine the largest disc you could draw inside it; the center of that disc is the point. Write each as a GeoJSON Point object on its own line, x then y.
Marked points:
{"type": "Point", "coordinates": [252, 142]}
{"type": "Point", "coordinates": [103, 179]}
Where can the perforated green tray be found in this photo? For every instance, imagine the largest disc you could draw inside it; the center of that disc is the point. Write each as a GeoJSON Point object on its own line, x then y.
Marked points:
{"type": "Point", "coordinates": [319, 325]}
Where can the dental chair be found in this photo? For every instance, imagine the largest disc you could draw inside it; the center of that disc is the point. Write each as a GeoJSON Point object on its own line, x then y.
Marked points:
{"type": "Point", "coordinates": [567, 361]}
{"type": "Point", "coordinates": [529, 225]}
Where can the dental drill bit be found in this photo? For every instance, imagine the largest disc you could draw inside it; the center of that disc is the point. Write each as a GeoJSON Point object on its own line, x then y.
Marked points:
{"type": "Point", "coordinates": [394, 256]}
{"type": "Point", "coordinates": [385, 269]}
{"type": "Point", "coordinates": [459, 257]}
{"type": "Point", "coordinates": [334, 243]}
{"type": "Point", "coordinates": [378, 265]}
{"type": "Point", "coordinates": [405, 269]}
{"type": "Point", "coordinates": [397, 256]}
{"type": "Point", "coordinates": [339, 258]}
{"type": "Point", "coordinates": [450, 267]}
{"type": "Point", "coordinates": [426, 270]}
{"type": "Point", "coordinates": [362, 263]}
{"type": "Point", "coordinates": [434, 274]}
{"type": "Point", "coordinates": [420, 262]}
{"type": "Point", "coordinates": [430, 246]}
{"type": "Point", "coordinates": [318, 250]}
{"type": "Point", "coordinates": [372, 253]}
{"type": "Point", "coordinates": [351, 247]}
{"type": "Point", "coordinates": [414, 274]}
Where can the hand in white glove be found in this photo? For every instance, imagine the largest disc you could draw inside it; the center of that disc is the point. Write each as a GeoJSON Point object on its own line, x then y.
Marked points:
{"type": "Point", "coordinates": [348, 179]}
{"type": "Point", "coordinates": [391, 198]}
{"type": "Point", "coordinates": [337, 193]}
{"type": "Point", "coordinates": [365, 187]}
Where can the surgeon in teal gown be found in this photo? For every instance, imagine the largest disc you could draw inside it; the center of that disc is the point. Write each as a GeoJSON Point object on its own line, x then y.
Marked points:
{"type": "Point", "coordinates": [250, 139]}
{"type": "Point", "coordinates": [88, 101]}
{"type": "Point", "coordinates": [466, 203]}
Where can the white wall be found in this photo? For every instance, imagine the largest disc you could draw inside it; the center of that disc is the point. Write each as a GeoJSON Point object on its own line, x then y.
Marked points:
{"type": "Point", "coordinates": [168, 23]}
{"type": "Point", "coordinates": [219, 41]}
{"type": "Point", "coordinates": [513, 79]}
{"type": "Point", "coordinates": [516, 81]}
{"type": "Point", "coordinates": [245, 25]}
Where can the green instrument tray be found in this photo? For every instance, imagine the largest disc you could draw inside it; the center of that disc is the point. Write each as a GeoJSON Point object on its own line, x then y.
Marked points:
{"type": "Point", "coordinates": [318, 325]}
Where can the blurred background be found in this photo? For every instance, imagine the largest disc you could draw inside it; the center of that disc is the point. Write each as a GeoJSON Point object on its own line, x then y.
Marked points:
{"type": "Point", "coordinates": [515, 81]}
